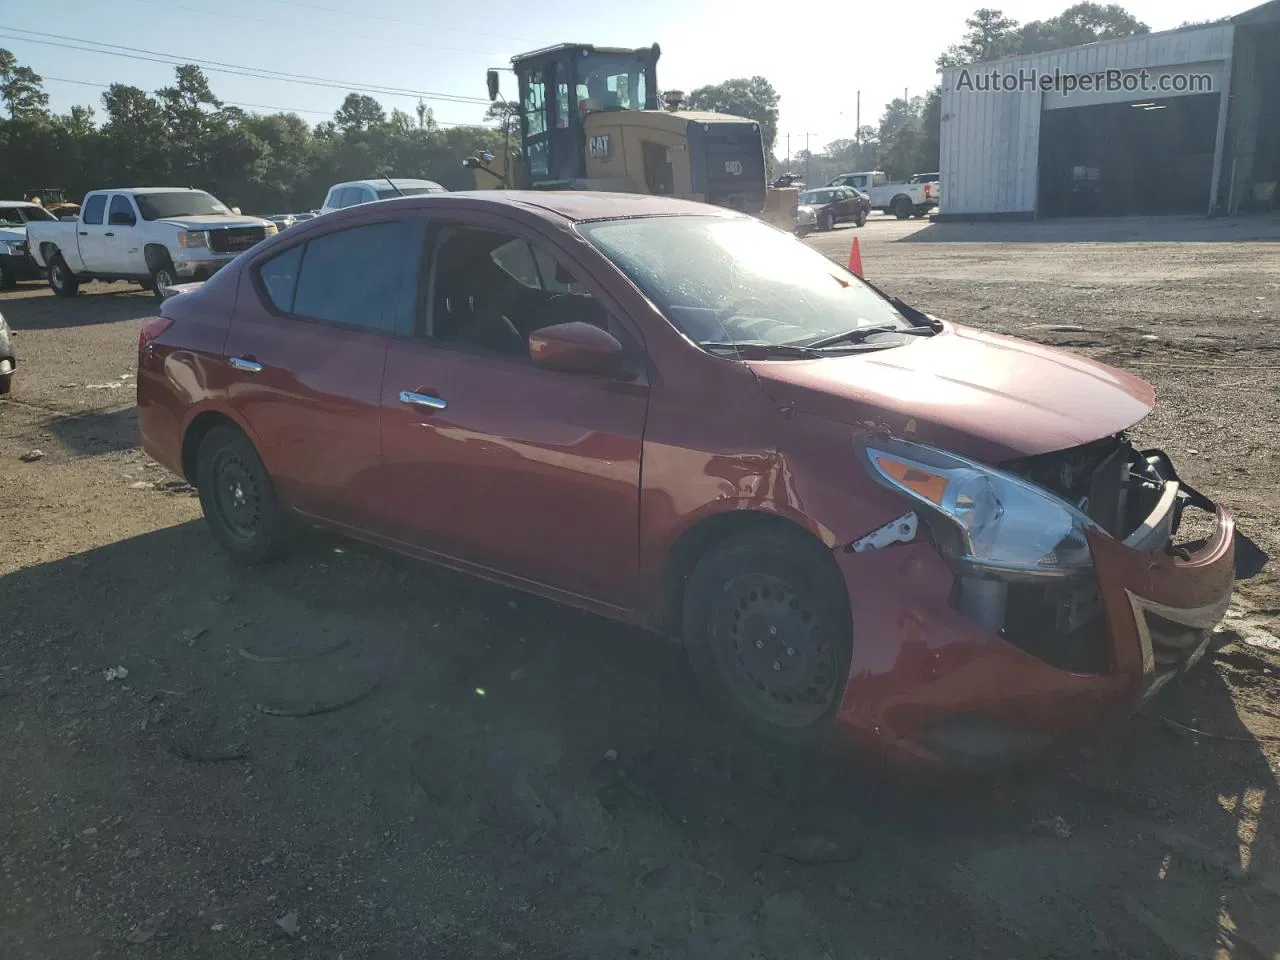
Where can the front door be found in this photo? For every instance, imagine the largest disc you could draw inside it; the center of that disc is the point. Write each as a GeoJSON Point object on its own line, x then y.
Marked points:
{"type": "Point", "coordinates": [307, 347]}
{"type": "Point", "coordinates": [499, 463]}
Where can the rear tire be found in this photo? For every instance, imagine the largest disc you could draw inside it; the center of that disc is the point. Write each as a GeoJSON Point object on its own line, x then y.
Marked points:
{"type": "Point", "coordinates": [61, 280]}
{"type": "Point", "coordinates": [861, 219]}
{"type": "Point", "coordinates": [902, 208]}
{"type": "Point", "coordinates": [238, 498]}
{"type": "Point", "coordinates": [7, 280]}
{"type": "Point", "coordinates": [767, 631]}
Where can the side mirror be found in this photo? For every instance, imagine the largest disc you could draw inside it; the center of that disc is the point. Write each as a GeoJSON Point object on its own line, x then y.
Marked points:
{"type": "Point", "coordinates": [576, 348]}
{"type": "Point", "coordinates": [491, 78]}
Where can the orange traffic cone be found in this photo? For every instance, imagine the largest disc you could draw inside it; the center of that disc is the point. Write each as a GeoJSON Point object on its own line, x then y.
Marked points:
{"type": "Point", "coordinates": [855, 258]}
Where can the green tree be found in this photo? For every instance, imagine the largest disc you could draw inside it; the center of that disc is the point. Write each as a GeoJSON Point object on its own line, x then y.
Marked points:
{"type": "Point", "coordinates": [21, 89]}
{"type": "Point", "coordinates": [1078, 24]}
{"type": "Point", "coordinates": [991, 35]}
{"type": "Point", "coordinates": [359, 113]}
{"type": "Point", "coordinates": [753, 98]}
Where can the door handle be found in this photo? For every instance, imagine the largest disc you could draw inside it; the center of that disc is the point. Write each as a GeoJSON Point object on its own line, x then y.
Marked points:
{"type": "Point", "coordinates": [84, 233]}
{"type": "Point", "coordinates": [108, 234]}
{"type": "Point", "coordinates": [423, 400]}
{"type": "Point", "coordinates": [245, 364]}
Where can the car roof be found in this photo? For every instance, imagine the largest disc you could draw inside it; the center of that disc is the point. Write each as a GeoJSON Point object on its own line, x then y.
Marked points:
{"type": "Point", "coordinates": [148, 190]}
{"type": "Point", "coordinates": [575, 205]}
{"type": "Point", "coordinates": [382, 182]}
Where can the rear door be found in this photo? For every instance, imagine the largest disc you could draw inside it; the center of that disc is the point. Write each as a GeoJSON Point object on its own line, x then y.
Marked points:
{"type": "Point", "coordinates": [121, 247]}
{"type": "Point", "coordinates": [307, 348]}
{"type": "Point", "coordinates": [511, 467]}
{"type": "Point", "coordinates": [91, 235]}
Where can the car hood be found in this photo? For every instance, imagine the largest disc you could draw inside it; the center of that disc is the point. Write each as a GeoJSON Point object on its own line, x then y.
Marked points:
{"type": "Point", "coordinates": [982, 395]}
{"type": "Point", "coordinates": [212, 222]}
{"type": "Point", "coordinates": [13, 234]}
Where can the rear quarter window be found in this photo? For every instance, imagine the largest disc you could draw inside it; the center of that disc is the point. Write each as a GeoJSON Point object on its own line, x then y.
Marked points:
{"type": "Point", "coordinates": [279, 277]}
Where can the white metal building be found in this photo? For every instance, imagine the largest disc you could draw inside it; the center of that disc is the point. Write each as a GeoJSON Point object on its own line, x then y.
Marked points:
{"type": "Point", "coordinates": [1078, 132]}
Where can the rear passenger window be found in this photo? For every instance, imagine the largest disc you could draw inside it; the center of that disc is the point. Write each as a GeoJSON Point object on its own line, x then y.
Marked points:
{"type": "Point", "coordinates": [93, 208]}
{"type": "Point", "coordinates": [362, 276]}
{"type": "Point", "coordinates": [280, 277]}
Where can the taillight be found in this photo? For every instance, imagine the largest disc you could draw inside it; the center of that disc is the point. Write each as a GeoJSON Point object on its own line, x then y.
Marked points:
{"type": "Point", "coordinates": [152, 329]}
{"type": "Point", "coordinates": [928, 190]}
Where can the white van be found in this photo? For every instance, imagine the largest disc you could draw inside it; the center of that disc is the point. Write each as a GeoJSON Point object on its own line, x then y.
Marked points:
{"type": "Point", "coordinates": [366, 191]}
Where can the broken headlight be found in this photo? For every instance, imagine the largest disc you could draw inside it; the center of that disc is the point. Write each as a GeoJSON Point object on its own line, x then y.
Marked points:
{"type": "Point", "coordinates": [985, 520]}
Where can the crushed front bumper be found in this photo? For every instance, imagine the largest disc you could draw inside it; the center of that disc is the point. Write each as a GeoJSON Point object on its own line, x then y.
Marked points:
{"type": "Point", "coordinates": [931, 684]}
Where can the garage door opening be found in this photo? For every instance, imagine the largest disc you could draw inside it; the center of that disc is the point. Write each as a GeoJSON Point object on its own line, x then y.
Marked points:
{"type": "Point", "coordinates": [1144, 157]}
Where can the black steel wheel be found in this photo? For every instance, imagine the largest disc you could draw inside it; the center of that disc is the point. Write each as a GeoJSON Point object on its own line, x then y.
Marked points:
{"type": "Point", "coordinates": [767, 630]}
{"type": "Point", "coordinates": [238, 497]}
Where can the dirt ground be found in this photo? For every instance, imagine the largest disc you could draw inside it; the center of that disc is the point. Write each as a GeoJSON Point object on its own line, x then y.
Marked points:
{"type": "Point", "coordinates": [349, 755]}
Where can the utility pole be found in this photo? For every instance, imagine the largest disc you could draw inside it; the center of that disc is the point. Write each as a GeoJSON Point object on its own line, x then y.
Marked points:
{"type": "Point", "coordinates": [857, 121]}
{"type": "Point", "coordinates": [788, 152]}
{"type": "Point", "coordinates": [808, 158]}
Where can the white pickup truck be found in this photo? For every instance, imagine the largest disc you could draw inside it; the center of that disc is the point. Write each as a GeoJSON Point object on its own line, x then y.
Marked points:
{"type": "Point", "coordinates": [155, 236]}
{"type": "Point", "coordinates": [903, 200]}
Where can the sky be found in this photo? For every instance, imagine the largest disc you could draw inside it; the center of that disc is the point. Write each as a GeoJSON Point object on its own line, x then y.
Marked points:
{"type": "Point", "coordinates": [445, 48]}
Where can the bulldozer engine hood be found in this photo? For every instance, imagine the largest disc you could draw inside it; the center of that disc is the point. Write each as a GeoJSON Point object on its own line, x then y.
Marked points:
{"type": "Point", "coordinates": [726, 161]}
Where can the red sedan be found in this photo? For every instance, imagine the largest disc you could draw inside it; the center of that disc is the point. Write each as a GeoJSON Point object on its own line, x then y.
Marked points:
{"type": "Point", "coordinates": [862, 520]}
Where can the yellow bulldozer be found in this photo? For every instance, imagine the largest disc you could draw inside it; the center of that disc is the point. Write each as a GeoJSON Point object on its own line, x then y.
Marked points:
{"type": "Point", "coordinates": [587, 118]}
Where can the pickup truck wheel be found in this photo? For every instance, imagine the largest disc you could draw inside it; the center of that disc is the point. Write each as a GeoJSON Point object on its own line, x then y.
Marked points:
{"type": "Point", "coordinates": [902, 207]}
{"type": "Point", "coordinates": [163, 275]}
{"type": "Point", "coordinates": [61, 280]}
{"type": "Point", "coordinates": [7, 280]}
{"type": "Point", "coordinates": [767, 630]}
{"type": "Point", "coordinates": [238, 498]}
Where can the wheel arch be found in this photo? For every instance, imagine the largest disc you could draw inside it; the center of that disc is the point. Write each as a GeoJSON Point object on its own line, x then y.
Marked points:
{"type": "Point", "coordinates": [156, 254]}
{"type": "Point", "coordinates": [49, 250]}
{"type": "Point", "coordinates": [704, 534]}
{"type": "Point", "coordinates": [198, 427]}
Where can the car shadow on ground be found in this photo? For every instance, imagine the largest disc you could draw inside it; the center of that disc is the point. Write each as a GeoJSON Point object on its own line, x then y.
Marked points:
{"type": "Point", "coordinates": [1263, 228]}
{"type": "Point", "coordinates": [415, 763]}
{"type": "Point", "coordinates": [29, 308]}
{"type": "Point", "coordinates": [91, 434]}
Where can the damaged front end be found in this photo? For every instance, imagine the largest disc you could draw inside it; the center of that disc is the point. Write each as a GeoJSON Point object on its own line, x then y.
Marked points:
{"type": "Point", "coordinates": [1074, 583]}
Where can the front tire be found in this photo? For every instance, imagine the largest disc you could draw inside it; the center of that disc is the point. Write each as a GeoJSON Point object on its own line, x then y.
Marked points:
{"type": "Point", "coordinates": [767, 631]}
{"type": "Point", "coordinates": [238, 498]}
{"type": "Point", "coordinates": [861, 219]}
{"type": "Point", "coordinates": [163, 275]}
{"type": "Point", "coordinates": [827, 222]}
{"type": "Point", "coordinates": [61, 280]}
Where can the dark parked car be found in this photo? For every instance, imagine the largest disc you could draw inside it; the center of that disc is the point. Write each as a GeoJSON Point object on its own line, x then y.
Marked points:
{"type": "Point", "coordinates": [934, 541]}
{"type": "Point", "coordinates": [823, 207]}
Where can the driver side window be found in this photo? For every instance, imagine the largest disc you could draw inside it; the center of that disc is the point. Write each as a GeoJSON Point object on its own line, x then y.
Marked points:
{"type": "Point", "coordinates": [490, 290]}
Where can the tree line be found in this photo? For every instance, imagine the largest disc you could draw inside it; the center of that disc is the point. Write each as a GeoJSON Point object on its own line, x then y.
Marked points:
{"type": "Point", "coordinates": [183, 134]}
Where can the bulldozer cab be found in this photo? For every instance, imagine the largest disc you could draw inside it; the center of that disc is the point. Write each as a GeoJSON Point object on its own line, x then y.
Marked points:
{"type": "Point", "coordinates": [560, 85]}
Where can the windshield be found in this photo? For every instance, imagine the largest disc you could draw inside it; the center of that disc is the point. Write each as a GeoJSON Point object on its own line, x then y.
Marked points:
{"type": "Point", "coordinates": [610, 83]}
{"type": "Point", "coordinates": [180, 203]}
{"type": "Point", "coordinates": [736, 280]}
{"type": "Point", "coordinates": [18, 216]}
{"type": "Point", "coordinates": [386, 193]}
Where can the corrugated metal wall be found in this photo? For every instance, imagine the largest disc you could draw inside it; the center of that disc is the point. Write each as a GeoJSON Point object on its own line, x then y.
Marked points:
{"type": "Point", "coordinates": [989, 146]}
